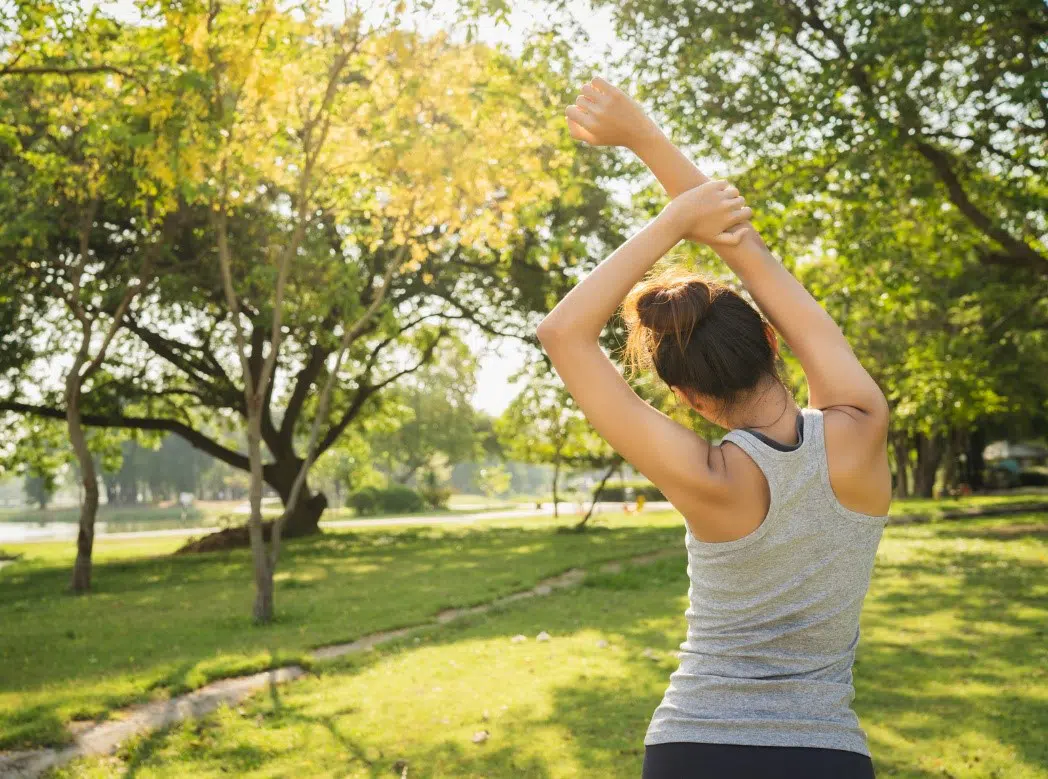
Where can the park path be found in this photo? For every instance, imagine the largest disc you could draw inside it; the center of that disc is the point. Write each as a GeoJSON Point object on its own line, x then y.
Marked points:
{"type": "Point", "coordinates": [105, 737]}
{"type": "Point", "coordinates": [23, 532]}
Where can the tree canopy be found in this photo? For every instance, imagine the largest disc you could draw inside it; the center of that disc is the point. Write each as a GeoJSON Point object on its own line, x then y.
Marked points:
{"type": "Point", "coordinates": [432, 161]}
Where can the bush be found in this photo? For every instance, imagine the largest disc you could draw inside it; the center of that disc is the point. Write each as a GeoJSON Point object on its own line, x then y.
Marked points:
{"type": "Point", "coordinates": [436, 497]}
{"type": "Point", "coordinates": [395, 499]}
{"type": "Point", "coordinates": [1033, 478]}
{"type": "Point", "coordinates": [615, 491]}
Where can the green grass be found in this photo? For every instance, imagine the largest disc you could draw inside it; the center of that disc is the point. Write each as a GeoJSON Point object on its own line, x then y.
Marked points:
{"type": "Point", "coordinates": [950, 674]}
{"type": "Point", "coordinates": [456, 510]}
{"type": "Point", "coordinates": [935, 506]}
{"type": "Point", "coordinates": [155, 626]}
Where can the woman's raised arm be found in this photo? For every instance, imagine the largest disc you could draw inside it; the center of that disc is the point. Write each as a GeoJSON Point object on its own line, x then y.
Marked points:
{"type": "Point", "coordinates": [604, 115]}
{"type": "Point", "coordinates": [667, 453]}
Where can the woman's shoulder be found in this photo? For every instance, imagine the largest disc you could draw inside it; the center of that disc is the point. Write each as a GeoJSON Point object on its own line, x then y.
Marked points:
{"type": "Point", "coordinates": [743, 503]}
{"type": "Point", "coordinates": [857, 459]}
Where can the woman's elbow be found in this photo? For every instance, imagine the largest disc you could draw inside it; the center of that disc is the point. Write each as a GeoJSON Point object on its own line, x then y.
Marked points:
{"type": "Point", "coordinates": [549, 332]}
{"type": "Point", "coordinates": [556, 333]}
{"type": "Point", "coordinates": [879, 409]}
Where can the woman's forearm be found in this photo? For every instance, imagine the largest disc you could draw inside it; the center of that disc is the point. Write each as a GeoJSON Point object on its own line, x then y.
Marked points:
{"type": "Point", "coordinates": [832, 370]}
{"type": "Point", "coordinates": [583, 312]}
{"type": "Point", "coordinates": [675, 172]}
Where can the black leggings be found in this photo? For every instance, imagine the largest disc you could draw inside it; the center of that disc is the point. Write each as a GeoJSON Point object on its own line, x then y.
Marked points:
{"type": "Point", "coordinates": [686, 760]}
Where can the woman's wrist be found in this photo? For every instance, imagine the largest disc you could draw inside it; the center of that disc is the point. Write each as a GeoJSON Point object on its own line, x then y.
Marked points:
{"type": "Point", "coordinates": [673, 219]}
{"type": "Point", "coordinates": [647, 138]}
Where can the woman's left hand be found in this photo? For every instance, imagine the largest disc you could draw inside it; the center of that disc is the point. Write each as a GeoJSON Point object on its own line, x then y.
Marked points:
{"type": "Point", "coordinates": [604, 115]}
{"type": "Point", "coordinates": [713, 213]}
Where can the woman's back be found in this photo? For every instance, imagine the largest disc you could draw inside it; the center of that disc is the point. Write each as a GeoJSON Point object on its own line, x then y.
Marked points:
{"type": "Point", "coordinates": [773, 617]}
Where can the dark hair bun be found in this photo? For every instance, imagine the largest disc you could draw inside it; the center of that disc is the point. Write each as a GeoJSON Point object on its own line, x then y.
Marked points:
{"type": "Point", "coordinates": [697, 334]}
{"type": "Point", "coordinates": [674, 308]}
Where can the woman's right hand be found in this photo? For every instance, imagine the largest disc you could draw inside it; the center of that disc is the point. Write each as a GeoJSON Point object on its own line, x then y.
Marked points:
{"type": "Point", "coordinates": [604, 115]}
{"type": "Point", "coordinates": [708, 214]}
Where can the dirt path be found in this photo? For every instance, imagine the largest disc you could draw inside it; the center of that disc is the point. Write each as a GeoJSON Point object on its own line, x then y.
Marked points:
{"type": "Point", "coordinates": [25, 532]}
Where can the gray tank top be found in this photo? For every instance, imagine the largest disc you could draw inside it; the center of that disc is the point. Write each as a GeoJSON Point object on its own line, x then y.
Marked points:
{"type": "Point", "coordinates": [773, 617]}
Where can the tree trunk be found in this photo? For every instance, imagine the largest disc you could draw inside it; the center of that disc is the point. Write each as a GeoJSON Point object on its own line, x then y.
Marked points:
{"type": "Point", "coordinates": [956, 443]}
{"type": "Point", "coordinates": [600, 488]}
{"type": "Point", "coordinates": [901, 448]}
{"type": "Point", "coordinates": [929, 455]}
{"type": "Point", "coordinates": [556, 479]}
{"type": "Point", "coordinates": [305, 520]}
{"type": "Point", "coordinates": [85, 537]}
{"type": "Point", "coordinates": [263, 609]}
{"type": "Point", "coordinates": [974, 464]}
{"type": "Point", "coordinates": [112, 489]}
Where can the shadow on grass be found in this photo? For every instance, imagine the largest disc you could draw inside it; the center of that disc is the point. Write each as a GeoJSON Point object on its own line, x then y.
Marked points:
{"type": "Point", "coordinates": [1003, 532]}
{"type": "Point", "coordinates": [998, 601]}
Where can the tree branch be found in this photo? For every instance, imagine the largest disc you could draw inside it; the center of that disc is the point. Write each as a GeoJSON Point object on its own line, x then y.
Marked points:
{"type": "Point", "coordinates": [75, 70]}
{"type": "Point", "coordinates": [194, 437]}
{"type": "Point", "coordinates": [303, 383]}
{"type": "Point", "coordinates": [169, 349]}
{"type": "Point", "coordinates": [941, 161]}
{"type": "Point", "coordinates": [943, 166]}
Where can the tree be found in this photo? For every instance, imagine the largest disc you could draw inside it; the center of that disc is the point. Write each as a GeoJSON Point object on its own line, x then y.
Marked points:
{"type": "Point", "coordinates": [945, 99]}
{"type": "Point", "coordinates": [435, 415]}
{"type": "Point", "coordinates": [34, 452]}
{"type": "Point", "coordinates": [443, 168]}
{"type": "Point", "coordinates": [494, 480]}
{"type": "Point", "coordinates": [40, 489]}
{"type": "Point", "coordinates": [63, 135]}
{"type": "Point", "coordinates": [543, 425]}
{"type": "Point", "coordinates": [346, 465]}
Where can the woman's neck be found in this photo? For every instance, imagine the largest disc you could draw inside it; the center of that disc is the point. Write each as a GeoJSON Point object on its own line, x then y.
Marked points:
{"type": "Point", "coordinates": [773, 412]}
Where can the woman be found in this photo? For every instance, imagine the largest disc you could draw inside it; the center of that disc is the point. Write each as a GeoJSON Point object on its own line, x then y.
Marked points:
{"type": "Point", "coordinates": [783, 517]}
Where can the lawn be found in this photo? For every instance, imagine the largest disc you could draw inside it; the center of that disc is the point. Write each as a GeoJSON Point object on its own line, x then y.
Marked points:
{"type": "Point", "coordinates": [158, 625]}
{"type": "Point", "coordinates": [936, 506]}
{"type": "Point", "coordinates": [203, 511]}
{"type": "Point", "coordinates": [950, 675]}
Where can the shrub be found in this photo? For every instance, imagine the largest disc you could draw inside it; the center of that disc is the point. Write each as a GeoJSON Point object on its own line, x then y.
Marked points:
{"type": "Point", "coordinates": [1033, 478]}
{"type": "Point", "coordinates": [615, 491]}
{"type": "Point", "coordinates": [395, 499]}
{"type": "Point", "coordinates": [436, 497]}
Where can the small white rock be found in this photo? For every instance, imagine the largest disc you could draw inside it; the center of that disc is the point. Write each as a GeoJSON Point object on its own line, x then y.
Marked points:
{"type": "Point", "coordinates": [649, 652]}
{"type": "Point", "coordinates": [543, 636]}
{"type": "Point", "coordinates": [518, 638]}
{"type": "Point", "coordinates": [480, 736]}
{"type": "Point", "coordinates": [602, 643]}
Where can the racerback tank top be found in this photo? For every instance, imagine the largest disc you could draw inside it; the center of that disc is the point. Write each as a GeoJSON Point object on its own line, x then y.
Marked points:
{"type": "Point", "coordinates": [773, 617]}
